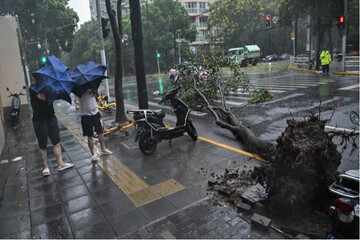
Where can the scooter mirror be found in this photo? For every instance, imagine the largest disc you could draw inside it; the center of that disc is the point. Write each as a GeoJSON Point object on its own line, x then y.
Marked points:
{"type": "Point", "coordinates": [156, 92]}
{"type": "Point", "coordinates": [7, 89]}
{"type": "Point", "coordinates": [24, 87]}
{"type": "Point", "coordinates": [354, 117]}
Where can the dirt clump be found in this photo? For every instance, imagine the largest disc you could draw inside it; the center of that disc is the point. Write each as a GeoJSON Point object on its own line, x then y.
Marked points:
{"type": "Point", "coordinates": [293, 188]}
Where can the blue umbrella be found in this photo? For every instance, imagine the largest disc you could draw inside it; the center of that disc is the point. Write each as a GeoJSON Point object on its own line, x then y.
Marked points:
{"type": "Point", "coordinates": [53, 80]}
{"type": "Point", "coordinates": [87, 76]}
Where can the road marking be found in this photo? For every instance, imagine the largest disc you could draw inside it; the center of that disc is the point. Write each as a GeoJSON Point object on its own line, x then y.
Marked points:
{"type": "Point", "coordinates": [270, 90]}
{"type": "Point", "coordinates": [139, 192]}
{"type": "Point", "coordinates": [233, 149]}
{"type": "Point", "coordinates": [350, 87]}
{"type": "Point", "coordinates": [284, 98]}
{"type": "Point", "coordinates": [238, 104]}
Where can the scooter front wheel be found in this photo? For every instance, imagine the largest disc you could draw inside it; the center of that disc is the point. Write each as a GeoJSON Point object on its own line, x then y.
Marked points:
{"type": "Point", "coordinates": [192, 131]}
{"type": "Point", "coordinates": [147, 146]}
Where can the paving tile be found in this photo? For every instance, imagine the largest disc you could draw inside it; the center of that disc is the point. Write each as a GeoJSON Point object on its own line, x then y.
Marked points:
{"type": "Point", "coordinates": [13, 226]}
{"type": "Point", "coordinates": [80, 156]}
{"type": "Point", "coordinates": [42, 190]}
{"type": "Point", "coordinates": [40, 181]}
{"type": "Point", "coordinates": [84, 218]}
{"type": "Point", "coordinates": [157, 209]}
{"type": "Point", "coordinates": [83, 162]}
{"type": "Point", "coordinates": [47, 214]}
{"type": "Point", "coordinates": [70, 182]}
{"type": "Point", "coordinates": [88, 168]}
{"type": "Point", "coordinates": [160, 226]}
{"type": "Point", "coordinates": [117, 207]}
{"type": "Point", "coordinates": [184, 198]}
{"type": "Point", "coordinates": [20, 235]}
{"type": "Point", "coordinates": [100, 184]}
{"type": "Point", "coordinates": [74, 192]}
{"type": "Point", "coordinates": [69, 173]}
{"type": "Point", "coordinates": [94, 175]}
{"type": "Point", "coordinates": [128, 222]}
{"type": "Point", "coordinates": [9, 211]}
{"type": "Point", "coordinates": [44, 201]}
{"type": "Point", "coordinates": [55, 229]}
{"type": "Point", "coordinates": [109, 194]}
{"type": "Point", "coordinates": [100, 230]}
{"type": "Point", "coordinates": [79, 204]}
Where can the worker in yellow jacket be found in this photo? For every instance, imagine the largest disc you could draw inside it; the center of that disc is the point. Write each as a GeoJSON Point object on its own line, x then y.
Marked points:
{"type": "Point", "coordinates": [325, 61]}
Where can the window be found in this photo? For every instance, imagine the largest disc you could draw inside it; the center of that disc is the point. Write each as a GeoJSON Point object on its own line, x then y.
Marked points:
{"type": "Point", "coordinates": [191, 5]}
{"type": "Point", "coordinates": [203, 4]}
{"type": "Point", "coordinates": [203, 22]}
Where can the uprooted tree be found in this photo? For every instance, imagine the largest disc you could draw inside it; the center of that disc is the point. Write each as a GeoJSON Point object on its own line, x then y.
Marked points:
{"type": "Point", "coordinates": [203, 82]}
{"type": "Point", "coordinates": [304, 161]}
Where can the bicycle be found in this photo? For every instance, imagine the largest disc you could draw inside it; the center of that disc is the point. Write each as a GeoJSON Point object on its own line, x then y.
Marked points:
{"type": "Point", "coordinates": [117, 128]}
{"type": "Point", "coordinates": [104, 105]}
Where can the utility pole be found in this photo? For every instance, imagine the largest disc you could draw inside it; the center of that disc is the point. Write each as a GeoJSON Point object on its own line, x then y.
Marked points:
{"type": "Point", "coordinates": [136, 27]}
{"type": "Point", "coordinates": [26, 68]}
{"type": "Point", "coordinates": [308, 40]}
{"type": "Point", "coordinates": [344, 37]}
{"type": "Point", "coordinates": [179, 48]}
{"type": "Point", "coordinates": [102, 47]}
{"type": "Point", "coordinates": [293, 38]}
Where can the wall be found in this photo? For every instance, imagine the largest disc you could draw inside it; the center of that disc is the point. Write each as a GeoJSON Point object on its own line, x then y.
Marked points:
{"type": "Point", "coordinates": [11, 71]}
{"type": "Point", "coordinates": [2, 134]}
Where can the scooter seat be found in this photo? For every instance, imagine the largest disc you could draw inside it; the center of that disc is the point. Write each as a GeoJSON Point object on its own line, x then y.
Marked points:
{"type": "Point", "coordinates": [159, 113]}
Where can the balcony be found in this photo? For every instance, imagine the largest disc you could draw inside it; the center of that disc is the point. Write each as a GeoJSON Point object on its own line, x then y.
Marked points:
{"type": "Point", "coordinates": [203, 10]}
{"type": "Point", "coordinates": [192, 10]}
{"type": "Point", "coordinates": [201, 38]}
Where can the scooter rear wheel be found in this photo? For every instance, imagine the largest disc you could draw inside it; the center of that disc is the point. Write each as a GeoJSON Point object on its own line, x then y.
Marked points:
{"type": "Point", "coordinates": [147, 147]}
{"type": "Point", "coordinates": [192, 131]}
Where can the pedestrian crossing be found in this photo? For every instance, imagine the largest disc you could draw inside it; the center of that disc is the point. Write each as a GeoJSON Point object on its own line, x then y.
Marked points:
{"type": "Point", "coordinates": [294, 84]}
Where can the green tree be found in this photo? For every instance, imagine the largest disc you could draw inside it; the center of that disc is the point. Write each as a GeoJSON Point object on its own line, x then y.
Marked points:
{"type": "Point", "coordinates": [163, 21]}
{"type": "Point", "coordinates": [117, 32]}
{"type": "Point", "coordinates": [50, 21]}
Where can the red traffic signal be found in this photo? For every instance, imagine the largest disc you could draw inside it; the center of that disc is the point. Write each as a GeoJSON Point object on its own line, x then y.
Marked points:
{"type": "Point", "coordinates": [341, 19]}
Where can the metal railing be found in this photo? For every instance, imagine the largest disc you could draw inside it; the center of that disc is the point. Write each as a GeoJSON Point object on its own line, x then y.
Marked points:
{"type": "Point", "coordinates": [301, 62]}
{"type": "Point", "coordinates": [191, 10]}
{"type": "Point", "coordinates": [352, 63]}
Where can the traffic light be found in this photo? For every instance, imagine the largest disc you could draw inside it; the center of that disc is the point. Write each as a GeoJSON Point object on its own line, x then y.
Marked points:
{"type": "Point", "coordinates": [104, 27]}
{"type": "Point", "coordinates": [341, 22]}
{"type": "Point", "coordinates": [157, 54]}
{"type": "Point", "coordinates": [43, 59]}
{"type": "Point", "coordinates": [268, 21]}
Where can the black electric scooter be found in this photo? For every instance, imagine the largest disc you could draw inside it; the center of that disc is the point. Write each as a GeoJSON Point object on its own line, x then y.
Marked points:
{"type": "Point", "coordinates": [151, 129]}
{"type": "Point", "coordinates": [15, 105]}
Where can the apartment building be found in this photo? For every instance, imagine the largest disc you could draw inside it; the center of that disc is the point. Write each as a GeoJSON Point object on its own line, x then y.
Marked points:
{"type": "Point", "coordinates": [199, 12]}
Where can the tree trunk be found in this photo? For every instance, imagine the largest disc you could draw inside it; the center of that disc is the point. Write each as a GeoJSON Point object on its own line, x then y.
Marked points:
{"type": "Point", "coordinates": [174, 31]}
{"type": "Point", "coordinates": [330, 44]}
{"type": "Point", "coordinates": [319, 44]}
{"type": "Point", "coordinates": [296, 35]}
{"type": "Point", "coordinates": [117, 32]}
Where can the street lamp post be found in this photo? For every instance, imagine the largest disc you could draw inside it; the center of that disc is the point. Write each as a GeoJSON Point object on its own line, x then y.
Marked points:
{"type": "Point", "coordinates": [26, 68]}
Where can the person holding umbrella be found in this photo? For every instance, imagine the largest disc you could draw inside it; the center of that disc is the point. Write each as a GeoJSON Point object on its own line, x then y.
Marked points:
{"type": "Point", "coordinates": [52, 82]}
{"type": "Point", "coordinates": [87, 79]}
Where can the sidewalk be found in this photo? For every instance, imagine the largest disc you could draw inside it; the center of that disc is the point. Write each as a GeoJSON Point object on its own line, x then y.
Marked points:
{"type": "Point", "coordinates": [125, 195]}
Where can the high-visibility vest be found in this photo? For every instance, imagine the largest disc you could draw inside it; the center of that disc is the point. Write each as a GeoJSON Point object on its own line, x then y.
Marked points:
{"type": "Point", "coordinates": [325, 57]}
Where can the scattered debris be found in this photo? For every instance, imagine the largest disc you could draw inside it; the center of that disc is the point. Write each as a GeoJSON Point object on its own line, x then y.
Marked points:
{"type": "Point", "coordinates": [260, 220]}
{"type": "Point", "coordinates": [16, 159]}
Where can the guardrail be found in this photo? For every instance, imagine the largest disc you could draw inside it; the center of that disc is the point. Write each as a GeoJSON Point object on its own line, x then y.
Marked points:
{"type": "Point", "coordinates": [352, 63]}
{"type": "Point", "coordinates": [301, 62]}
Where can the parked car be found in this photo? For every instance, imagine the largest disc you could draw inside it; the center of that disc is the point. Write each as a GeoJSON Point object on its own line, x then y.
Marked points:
{"type": "Point", "coordinates": [271, 58]}
{"type": "Point", "coordinates": [347, 185]}
{"type": "Point", "coordinates": [284, 56]}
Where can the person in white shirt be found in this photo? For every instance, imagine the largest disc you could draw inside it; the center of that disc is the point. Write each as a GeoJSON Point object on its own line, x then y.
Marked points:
{"type": "Point", "coordinates": [90, 120]}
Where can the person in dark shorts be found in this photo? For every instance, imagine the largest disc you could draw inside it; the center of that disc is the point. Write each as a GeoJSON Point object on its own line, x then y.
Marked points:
{"type": "Point", "coordinates": [45, 125]}
{"type": "Point", "coordinates": [90, 120]}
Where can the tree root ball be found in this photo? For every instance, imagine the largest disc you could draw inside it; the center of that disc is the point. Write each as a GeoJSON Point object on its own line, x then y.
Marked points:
{"type": "Point", "coordinates": [306, 163]}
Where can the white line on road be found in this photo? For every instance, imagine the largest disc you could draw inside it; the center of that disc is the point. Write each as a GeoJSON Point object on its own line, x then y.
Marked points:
{"type": "Point", "coordinates": [350, 87]}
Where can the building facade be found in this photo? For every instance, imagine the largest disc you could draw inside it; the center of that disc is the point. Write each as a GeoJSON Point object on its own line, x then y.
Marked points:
{"type": "Point", "coordinates": [198, 11]}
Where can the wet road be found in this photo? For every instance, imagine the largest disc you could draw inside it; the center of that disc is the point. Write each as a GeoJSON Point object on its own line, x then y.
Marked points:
{"type": "Point", "coordinates": [296, 95]}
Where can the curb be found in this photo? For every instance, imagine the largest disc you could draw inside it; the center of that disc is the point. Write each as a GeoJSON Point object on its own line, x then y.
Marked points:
{"type": "Point", "coordinates": [315, 72]}
{"type": "Point", "coordinates": [304, 70]}
{"type": "Point", "coordinates": [346, 74]}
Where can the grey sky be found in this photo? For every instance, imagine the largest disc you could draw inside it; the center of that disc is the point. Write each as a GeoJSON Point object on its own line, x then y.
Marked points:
{"type": "Point", "coordinates": [82, 8]}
